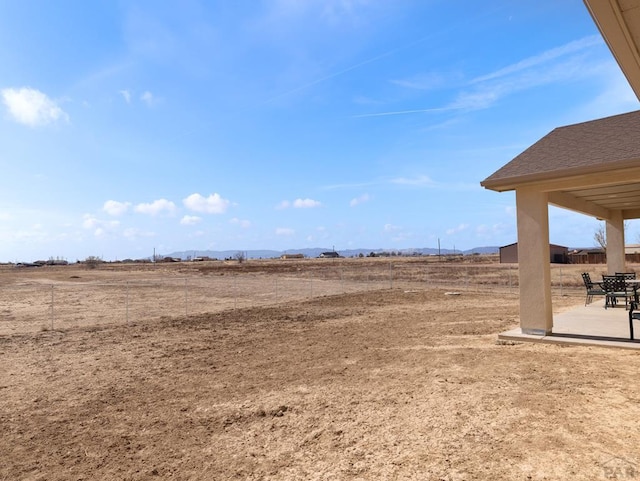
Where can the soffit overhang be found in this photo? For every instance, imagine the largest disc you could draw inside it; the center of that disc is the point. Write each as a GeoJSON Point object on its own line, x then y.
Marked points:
{"type": "Point", "coordinates": [592, 167]}
{"type": "Point", "coordinates": [595, 192]}
{"type": "Point", "coordinates": [619, 25]}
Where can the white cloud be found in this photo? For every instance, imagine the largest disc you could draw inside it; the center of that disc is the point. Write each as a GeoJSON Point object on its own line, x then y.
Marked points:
{"type": "Point", "coordinates": [543, 58]}
{"type": "Point", "coordinates": [617, 95]}
{"type": "Point", "coordinates": [31, 107]}
{"type": "Point", "coordinates": [126, 95]}
{"type": "Point", "coordinates": [482, 230]}
{"type": "Point", "coordinates": [133, 233]}
{"type": "Point", "coordinates": [148, 98]}
{"type": "Point", "coordinates": [421, 82]}
{"type": "Point", "coordinates": [457, 229]}
{"type": "Point", "coordinates": [491, 232]}
{"type": "Point", "coordinates": [214, 204]}
{"type": "Point", "coordinates": [479, 99]}
{"type": "Point", "coordinates": [245, 224]}
{"type": "Point", "coordinates": [100, 227]}
{"type": "Point", "coordinates": [190, 220]}
{"type": "Point", "coordinates": [115, 208]}
{"type": "Point", "coordinates": [305, 203]}
{"type": "Point", "coordinates": [360, 200]}
{"type": "Point", "coordinates": [419, 180]}
{"type": "Point", "coordinates": [299, 204]}
{"type": "Point", "coordinates": [391, 228]}
{"type": "Point", "coordinates": [331, 11]}
{"type": "Point", "coordinates": [156, 207]}
{"type": "Point", "coordinates": [567, 62]}
{"type": "Point", "coordinates": [285, 231]}
{"type": "Point", "coordinates": [89, 221]}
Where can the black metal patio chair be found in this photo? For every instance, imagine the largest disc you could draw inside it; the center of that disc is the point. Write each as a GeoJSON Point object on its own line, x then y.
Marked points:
{"type": "Point", "coordinates": [593, 288]}
{"type": "Point", "coordinates": [632, 287]}
{"type": "Point", "coordinates": [615, 288]}
{"type": "Point", "coordinates": [633, 314]}
{"type": "Point", "coordinates": [627, 275]}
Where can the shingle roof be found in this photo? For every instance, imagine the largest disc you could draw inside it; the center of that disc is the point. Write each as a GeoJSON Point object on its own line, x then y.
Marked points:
{"type": "Point", "coordinates": [586, 147]}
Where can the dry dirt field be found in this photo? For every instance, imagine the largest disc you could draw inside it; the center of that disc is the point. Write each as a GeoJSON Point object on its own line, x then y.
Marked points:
{"type": "Point", "coordinates": [382, 384]}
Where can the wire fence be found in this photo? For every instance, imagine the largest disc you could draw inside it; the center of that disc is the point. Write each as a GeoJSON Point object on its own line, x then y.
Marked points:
{"type": "Point", "coordinates": [38, 305]}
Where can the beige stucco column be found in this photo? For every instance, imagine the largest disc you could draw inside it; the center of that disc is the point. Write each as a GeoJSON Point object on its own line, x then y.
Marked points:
{"type": "Point", "coordinates": [533, 261]}
{"type": "Point", "coordinates": [615, 243]}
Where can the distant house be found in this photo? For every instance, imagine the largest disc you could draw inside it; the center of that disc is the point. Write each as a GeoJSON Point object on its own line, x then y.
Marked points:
{"type": "Point", "coordinates": [330, 255]}
{"type": "Point", "coordinates": [588, 256]}
{"type": "Point", "coordinates": [558, 254]}
{"type": "Point", "coordinates": [597, 255]}
{"type": "Point", "coordinates": [632, 251]}
{"type": "Point", "coordinates": [57, 262]}
{"type": "Point", "coordinates": [292, 256]}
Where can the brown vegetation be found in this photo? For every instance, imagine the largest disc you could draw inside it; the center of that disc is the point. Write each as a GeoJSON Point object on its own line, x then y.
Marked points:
{"type": "Point", "coordinates": [407, 382]}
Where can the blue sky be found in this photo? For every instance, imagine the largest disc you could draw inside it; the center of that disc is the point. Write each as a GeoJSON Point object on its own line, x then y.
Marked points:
{"type": "Point", "coordinates": [282, 124]}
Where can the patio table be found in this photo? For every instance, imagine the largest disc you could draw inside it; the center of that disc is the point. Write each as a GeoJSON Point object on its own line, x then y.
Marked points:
{"type": "Point", "coordinates": [633, 284]}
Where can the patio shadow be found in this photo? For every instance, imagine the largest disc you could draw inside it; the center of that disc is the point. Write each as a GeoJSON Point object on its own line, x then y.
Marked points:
{"type": "Point", "coordinates": [591, 325]}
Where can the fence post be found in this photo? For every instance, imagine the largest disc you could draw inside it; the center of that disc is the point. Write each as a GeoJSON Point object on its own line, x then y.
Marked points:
{"type": "Point", "coordinates": [126, 302]}
{"type": "Point", "coordinates": [52, 307]}
{"type": "Point", "coordinates": [561, 282]}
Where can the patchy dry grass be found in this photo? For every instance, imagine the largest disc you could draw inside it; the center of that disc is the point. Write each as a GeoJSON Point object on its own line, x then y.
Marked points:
{"type": "Point", "coordinates": [401, 383]}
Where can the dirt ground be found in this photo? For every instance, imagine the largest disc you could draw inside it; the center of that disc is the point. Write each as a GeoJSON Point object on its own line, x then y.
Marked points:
{"type": "Point", "coordinates": [390, 384]}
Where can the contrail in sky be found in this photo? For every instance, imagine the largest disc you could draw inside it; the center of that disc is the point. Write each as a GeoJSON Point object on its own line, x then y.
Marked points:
{"type": "Point", "coordinates": [401, 112]}
{"type": "Point", "coordinates": [346, 70]}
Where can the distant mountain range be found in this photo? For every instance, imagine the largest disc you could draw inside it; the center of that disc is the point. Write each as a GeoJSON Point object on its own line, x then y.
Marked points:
{"type": "Point", "coordinates": [316, 251]}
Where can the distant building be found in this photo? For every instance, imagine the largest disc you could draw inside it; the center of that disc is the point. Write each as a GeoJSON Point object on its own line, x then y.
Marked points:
{"type": "Point", "coordinates": [330, 255]}
{"type": "Point", "coordinates": [292, 256]}
{"type": "Point", "coordinates": [596, 255]}
{"type": "Point", "coordinates": [632, 250]}
{"type": "Point", "coordinates": [57, 262]}
{"type": "Point", "coordinates": [558, 254]}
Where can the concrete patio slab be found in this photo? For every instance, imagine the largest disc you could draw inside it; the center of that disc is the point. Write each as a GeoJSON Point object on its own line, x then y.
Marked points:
{"type": "Point", "coordinates": [591, 325]}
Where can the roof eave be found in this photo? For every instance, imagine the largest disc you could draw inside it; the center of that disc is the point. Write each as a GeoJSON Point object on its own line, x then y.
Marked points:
{"type": "Point", "coordinates": [505, 184]}
{"type": "Point", "coordinates": [613, 27]}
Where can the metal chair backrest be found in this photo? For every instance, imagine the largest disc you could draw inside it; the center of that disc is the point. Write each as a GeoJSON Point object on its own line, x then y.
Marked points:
{"type": "Point", "coordinates": [626, 275]}
{"type": "Point", "coordinates": [614, 283]}
{"type": "Point", "coordinates": [587, 280]}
